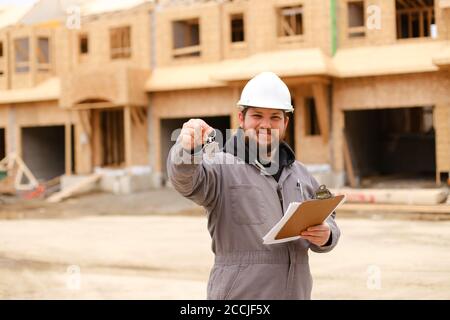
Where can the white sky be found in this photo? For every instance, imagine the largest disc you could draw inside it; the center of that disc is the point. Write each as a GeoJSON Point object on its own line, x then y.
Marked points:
{"type": "Point", "coordinates": [16, 1]}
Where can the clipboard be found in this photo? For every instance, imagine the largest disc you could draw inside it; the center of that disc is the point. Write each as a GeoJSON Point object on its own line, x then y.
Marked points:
{"type": "Point", "coordinates": [300, 216]}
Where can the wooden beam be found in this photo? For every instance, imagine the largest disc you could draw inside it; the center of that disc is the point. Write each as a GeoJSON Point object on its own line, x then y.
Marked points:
{"type": "Point", "coordinates": [402, 3]}
{"type": "Point", "coordinates": [285, 27]}
{"type": "Point", "coordinates": [399, 26]}
{"type": "Point", "coordinates": [97, 146]}
{"type": "Point", "coordinates": [348, 162]}
{"type": "Point", "coordinates": [59, 196]}
{"type": "Point", "coordinates": [142, 113]}
{"type": "Point", "coordinates": [321, 99]}
{"type": "Point", "coordinates": [410, 27]}
{"type": "Point", "coordinates": [421, 21]}
{"type": "Point", "coordinates": [186, 50]}
{"type": "Point", "coordinates": [95, 105]}
{"type": "Point", "coordinates": [299, 121]}
{"type": "Point", "coordinates": [85, 121]}
{"type": "Point", "coordinates": [140, 122]}
{"type": "Point", "coordinates": [68, 148]}
{"type": "Point", "coordinates": [128, 135]}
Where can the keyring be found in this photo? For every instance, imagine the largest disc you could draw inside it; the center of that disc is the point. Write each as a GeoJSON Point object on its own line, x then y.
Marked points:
{"type": "Point", "coordinates": [212, 138]}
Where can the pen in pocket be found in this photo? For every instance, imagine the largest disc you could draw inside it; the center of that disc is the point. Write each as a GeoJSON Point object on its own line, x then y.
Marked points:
{"type": "Point", "coordinates": [299, 185]}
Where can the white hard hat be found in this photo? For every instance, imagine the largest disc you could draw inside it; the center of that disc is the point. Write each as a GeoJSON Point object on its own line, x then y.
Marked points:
{"type": "Point", "coordinates": [266, 90]}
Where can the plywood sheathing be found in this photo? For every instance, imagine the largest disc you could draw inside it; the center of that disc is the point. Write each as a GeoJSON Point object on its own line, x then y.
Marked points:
{"type": "Point", "coordinates": [118, 85]}
{"type": "Point", "coordinates": [400, 58]}
{"type": "Point", "coordinates": [442, 127]}
{"type": "Point", "coordinates": [310, 149]}
{"type": "Point", "coordinates": [46, 91]}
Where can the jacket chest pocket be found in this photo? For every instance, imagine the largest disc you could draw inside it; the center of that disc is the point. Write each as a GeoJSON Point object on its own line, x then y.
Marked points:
{"type": "Point", "coordinates": [298, 194]}
{"type": "Point", "coordinates": [247, 204]}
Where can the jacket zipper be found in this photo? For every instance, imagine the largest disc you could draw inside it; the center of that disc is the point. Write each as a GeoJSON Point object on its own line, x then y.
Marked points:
{"type": "Point", "coordinates": [280, 197]}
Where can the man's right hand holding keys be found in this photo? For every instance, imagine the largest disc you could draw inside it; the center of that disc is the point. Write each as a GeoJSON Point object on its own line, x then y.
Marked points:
{"type": "Point", "coordinates": [194, 134]}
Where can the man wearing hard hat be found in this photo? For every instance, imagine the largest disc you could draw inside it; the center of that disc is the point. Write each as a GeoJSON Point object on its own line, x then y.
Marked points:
{"type": "Point", "coordinates": [246, 193]}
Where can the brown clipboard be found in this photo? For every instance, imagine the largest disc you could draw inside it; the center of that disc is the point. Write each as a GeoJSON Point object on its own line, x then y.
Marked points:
{"type": "Point", "coordinates": [308, 214]}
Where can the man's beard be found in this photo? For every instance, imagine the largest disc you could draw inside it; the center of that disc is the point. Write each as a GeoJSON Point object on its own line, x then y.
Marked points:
{"type": "Point", "coordinates": [265, 149]}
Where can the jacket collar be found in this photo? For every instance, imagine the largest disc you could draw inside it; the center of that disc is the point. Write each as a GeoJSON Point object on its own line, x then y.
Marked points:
{"type": "Point", "coordinates": [237, 146]}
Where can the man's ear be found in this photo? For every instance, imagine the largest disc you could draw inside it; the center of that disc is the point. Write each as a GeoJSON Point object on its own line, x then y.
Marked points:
{"type": "Point", "coordinates": [286, 120]}
{"type": "Point", "coordinates": [241, 119]}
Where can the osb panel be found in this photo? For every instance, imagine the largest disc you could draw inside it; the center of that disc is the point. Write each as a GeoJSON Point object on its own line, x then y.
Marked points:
{"type": "Point", "coordinates": [59, 55]}
{"type": "Point", "coordinates": [262, 38]}
{"type": "Point", "coordinates": [102, 84]}
{"type": "Point", "coordinates": [119, 85]}
{"type": "Point", "coordinates": [83, 152]}
{"type": "Point", "coordinates": [3, 116]}
{"type": "Point", "coordinates": [442, 127]}
{"type": "Point", "coordinates": [194, 103]}
{"type": "Point", "coordinates": [33, 77]}
{"type": "Point", "coordinates": [4, 62]}
{"type": "Point", "coordinates": [316, 24]}
{"type": "Point", "coordinates": [392, 91]}
{"type": "Point", "coordinates": [235, 50]}
{"type": "Point", "coordinates": [40, 114]}
{"type": "Point", "coordinates": [21, 80]}
{"type": "Point", "coordinates": [139, 144]}
{"type": "Point", "coordinates": [309, 149]}
{"type": "Point", "coordinates": [154, 139]}
{"type": "Point", "coordinates": [385, 35]}
{"type": "Point", "coordinates": [136, 79]}
{"type": "Point", "coordinates": [40, 76]}
{"type": "Point", "coordinates": [443, 22]}
{"type": "Point", "coordinates": [98, 31]}
{"type": "Point", "coordinates": [337, 146]}
{"type": "Point", "coordinates": [312, 150]}
{"type": "Point", "coordinates": [63, 51]}
{"type": "Point", "coordinates": [209, 20]}
{"type": "Point", "coordinates": [388, 32]}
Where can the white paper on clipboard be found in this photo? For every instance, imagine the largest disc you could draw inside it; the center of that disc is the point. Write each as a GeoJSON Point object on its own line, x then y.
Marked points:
{"type": "Point", "coordinates": [301, 215]}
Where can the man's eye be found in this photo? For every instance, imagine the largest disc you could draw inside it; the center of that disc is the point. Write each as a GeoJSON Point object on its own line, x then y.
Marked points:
{"type": "Point", "coordinates": [276, 118]}
{"type": "Point", "coordinates": [256, 116]}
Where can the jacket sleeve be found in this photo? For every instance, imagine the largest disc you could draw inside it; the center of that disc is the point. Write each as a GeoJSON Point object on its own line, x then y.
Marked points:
{"type": "Point", "coordinates": [192, 177]}
{"type": "Point", "coordinates": [335, 231]}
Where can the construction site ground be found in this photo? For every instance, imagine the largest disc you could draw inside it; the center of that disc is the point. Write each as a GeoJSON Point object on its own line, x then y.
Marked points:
{"type": "Point", "coordinates": [155, 245]}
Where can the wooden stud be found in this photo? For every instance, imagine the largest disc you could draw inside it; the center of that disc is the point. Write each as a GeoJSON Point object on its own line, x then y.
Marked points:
{"type": "Point", "coordinates": [68, 148]}
{"type": "Point", "coordinates": [348, 162]}
{"type": "Point", "coordinates": [128, 136]}
{"type": "Point", "coordinates": [321, 99]}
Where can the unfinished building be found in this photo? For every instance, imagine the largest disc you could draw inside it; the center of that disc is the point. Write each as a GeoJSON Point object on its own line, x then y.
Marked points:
{"type": "Point", "coordinates": [73, 99]}
{"type": "Point", "coordinates": [366, 98]}
{"type": "Point", "coordinates": [370, 83]}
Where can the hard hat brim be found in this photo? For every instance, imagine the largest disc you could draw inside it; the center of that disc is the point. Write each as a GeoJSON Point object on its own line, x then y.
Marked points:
{"type": "Point", "coordinates": [286, 109]}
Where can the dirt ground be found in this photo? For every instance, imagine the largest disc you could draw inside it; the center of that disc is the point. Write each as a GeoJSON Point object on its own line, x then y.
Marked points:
{"type": "Point", "coordinates": [160, 249]}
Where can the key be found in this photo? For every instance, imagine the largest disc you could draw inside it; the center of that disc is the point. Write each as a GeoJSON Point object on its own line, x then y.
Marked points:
{"type": "Point", "coordinates": [211, 146]}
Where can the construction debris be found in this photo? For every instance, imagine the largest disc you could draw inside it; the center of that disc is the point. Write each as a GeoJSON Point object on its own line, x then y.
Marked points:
{"type": "Point", "coordinates": [395, 196]}
{"type": "Point", "coordinates": [15, 170]}
{"type": "Point", "coordinates": [73, 189]}
{"type": "Point", "coordinates": [45, 189]}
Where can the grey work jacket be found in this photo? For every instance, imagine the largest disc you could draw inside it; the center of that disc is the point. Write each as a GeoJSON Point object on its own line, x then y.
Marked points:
{"type": "Point", "coordinates": [242, 205]}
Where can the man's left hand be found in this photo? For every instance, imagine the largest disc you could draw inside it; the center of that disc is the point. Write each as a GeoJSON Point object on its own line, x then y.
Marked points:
{"type": "Point", "coordinates": [318, 235]}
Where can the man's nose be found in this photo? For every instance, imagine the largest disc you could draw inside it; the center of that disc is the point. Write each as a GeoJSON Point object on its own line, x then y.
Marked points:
{"type": "Point", "coordinates": [265, 124]}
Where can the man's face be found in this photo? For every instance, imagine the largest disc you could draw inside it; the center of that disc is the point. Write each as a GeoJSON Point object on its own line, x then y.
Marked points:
{"type": "Point", "coordinates": [264, 125]}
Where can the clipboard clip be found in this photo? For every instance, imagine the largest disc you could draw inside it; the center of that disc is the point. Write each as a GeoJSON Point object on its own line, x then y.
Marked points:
{"type": "Point", "coordinates": [323, 193]}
